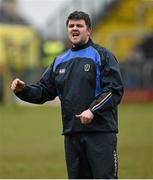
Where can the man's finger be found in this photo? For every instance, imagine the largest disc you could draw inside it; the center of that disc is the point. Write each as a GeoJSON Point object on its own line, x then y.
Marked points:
{"type": "Point", "coordinates": [19, 82]}
{"type": "Point", "coordinates": [78, 115]}
{"type": "Point", "coordinates": [84, 120]}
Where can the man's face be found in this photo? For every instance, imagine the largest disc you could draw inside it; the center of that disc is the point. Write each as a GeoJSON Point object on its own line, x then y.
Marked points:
{"type": "Point", "coordinates": [78, 32]}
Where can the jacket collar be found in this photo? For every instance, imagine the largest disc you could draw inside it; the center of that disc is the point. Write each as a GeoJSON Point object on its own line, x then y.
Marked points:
{"type": "Point", "coordinates": [83, 46]}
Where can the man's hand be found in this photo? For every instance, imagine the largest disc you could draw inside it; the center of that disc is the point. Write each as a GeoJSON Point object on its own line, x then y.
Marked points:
{"type": "Point", "coordinates": [86, 117]}
{"type": "Point", "coordinates": [17, 85]}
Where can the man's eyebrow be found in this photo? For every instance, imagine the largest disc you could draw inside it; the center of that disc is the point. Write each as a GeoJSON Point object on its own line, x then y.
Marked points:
{"type": "Point", "coordinates": [75, 24]}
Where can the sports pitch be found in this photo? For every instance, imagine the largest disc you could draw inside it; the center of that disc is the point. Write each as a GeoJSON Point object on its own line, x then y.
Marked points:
{"type": "Point", "coordinates": [31, 144]}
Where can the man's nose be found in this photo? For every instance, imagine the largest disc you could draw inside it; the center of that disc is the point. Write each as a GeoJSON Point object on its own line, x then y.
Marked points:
{"type": "Point", "coordinates": [75, 27]}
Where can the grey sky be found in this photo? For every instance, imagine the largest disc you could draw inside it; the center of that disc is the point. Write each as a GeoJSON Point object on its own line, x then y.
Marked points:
{"type": "Point", "coordinates": [38, 11]}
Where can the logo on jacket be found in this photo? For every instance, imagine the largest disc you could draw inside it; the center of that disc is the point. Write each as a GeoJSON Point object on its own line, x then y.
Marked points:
{"type": "Point", "coordinates": [86, 67]}
{"type": "Point", "coordinates": [62, 71]}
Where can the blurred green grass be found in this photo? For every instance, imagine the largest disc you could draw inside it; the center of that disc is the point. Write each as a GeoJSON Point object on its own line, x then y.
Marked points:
{"type": "Point", "coordinates": [31, 145]}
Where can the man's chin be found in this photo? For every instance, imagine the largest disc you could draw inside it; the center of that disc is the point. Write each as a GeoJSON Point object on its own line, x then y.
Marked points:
{"type": "Point", "coordinates": [76, 43]}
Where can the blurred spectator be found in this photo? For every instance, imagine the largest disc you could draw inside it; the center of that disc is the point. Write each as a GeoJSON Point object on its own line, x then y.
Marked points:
{"type": "Point", "coordinates": [147, 47]}
{"type": "Point", "coordinates": [137, 70]}
{"type": "Point", "coordinates": [51, 49]}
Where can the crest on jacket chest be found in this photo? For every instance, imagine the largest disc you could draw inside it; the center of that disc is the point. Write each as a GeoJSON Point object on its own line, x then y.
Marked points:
{"type": "Point", "coordinates": [87, 67]}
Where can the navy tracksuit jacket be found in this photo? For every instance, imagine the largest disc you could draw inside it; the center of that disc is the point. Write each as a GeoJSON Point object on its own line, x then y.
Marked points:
{"type": "Point", "coordinates": [83, 77]}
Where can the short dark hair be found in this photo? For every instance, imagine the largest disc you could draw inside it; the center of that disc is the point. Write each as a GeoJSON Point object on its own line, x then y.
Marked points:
{"type": "Point", "coordinates": [78, 15]}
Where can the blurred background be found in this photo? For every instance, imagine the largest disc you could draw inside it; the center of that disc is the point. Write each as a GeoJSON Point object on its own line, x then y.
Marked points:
{"type": "Point", "coordinates": [32, 34]}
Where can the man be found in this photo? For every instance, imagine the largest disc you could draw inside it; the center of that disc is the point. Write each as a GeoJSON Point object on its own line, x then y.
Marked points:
{"type": "Point", "coordinates": [88, 82]}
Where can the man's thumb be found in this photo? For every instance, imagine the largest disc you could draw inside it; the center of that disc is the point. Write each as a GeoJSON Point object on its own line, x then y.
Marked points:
{"type": "Point", "coordinates": [19, 82]}
{"type": "Point", "coordinates": [78, 115]}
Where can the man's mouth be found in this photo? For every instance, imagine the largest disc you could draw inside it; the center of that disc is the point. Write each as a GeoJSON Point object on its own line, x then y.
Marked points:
{"type": "Point", "coordinates": [75, 34]}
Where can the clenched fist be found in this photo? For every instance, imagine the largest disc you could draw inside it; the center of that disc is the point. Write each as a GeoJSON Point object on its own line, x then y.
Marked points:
{"type": "Point", "coordinates": [17, 85]}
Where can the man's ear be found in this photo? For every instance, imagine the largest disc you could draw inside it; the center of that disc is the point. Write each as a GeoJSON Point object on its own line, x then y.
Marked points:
{"type": "Point", "coordinates": [89, 31]}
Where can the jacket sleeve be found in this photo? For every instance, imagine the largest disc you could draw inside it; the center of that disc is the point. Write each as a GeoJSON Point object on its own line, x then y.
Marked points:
{"type": "Point", "coordinates": [44, 90]}
{"type": "Point", "coordinates": [111, 85]}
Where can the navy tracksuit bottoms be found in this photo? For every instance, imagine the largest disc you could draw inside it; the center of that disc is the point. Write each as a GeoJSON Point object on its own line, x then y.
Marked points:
{"type": "Point", "coordinates": [91, 155]}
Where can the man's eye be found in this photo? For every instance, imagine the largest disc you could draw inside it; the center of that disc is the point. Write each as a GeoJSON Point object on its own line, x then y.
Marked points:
{"type": "Point", "coordinates": [71, 26]}
{"type": "Point", "coordinates": [79, 25]}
